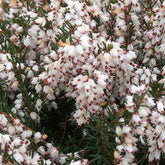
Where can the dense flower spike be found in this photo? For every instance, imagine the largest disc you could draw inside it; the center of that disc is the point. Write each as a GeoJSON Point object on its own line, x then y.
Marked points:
{"type": "Point", "coordinates": [17, 139]}
{"type": "Point", "coordinates": [101, 54]}
{"type": "Point", "coordinates": [147, 123]}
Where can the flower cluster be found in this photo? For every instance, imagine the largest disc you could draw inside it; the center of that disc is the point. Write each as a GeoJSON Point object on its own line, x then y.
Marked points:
{"type": "Point", "coordinates": [17, 138]}
{"type": "Point", "coordinates": [146, 126]}
{"type": "Point", "coordinates": [98, 53]}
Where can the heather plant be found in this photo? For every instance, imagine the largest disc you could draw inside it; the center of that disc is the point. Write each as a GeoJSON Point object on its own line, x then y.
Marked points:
{"type": "Point", "coordinates": [82, 82]}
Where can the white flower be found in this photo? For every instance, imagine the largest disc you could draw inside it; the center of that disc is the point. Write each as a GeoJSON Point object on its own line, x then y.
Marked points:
{"type": "Point", "coordinates": [34, 116]}
{"type": "Point", "coordinates": [1, 158]}
{"type": "Point", "coordinates": [18, 157]}
{"type": "Point", "coordinates": [4, 139]}
{"type": "Point", "coordinates": [9, 66]}
{"type": "Point", "coordinates": [53, 152]}
{"type": "Point", "coordinates": [161, 120]}
{"type": "Point", "coordinates": [3, 120]}
{"type": "Point", "coordinates": [27, 41]}
{"type": "Point", "coordinates": [38, 104]}
{"type": "Point", "coordinates": [35, 68]}
{"type": "Point", "coordinates": [129, 148]}
{"type": "Point", "coordinates": [130, 101]}
{"type": "Point", "coordinates": [157, 154]}
{"type": "Point", "coordinates": [127, 129]}
{"type": "Point", "coordinates": [19, 128]}
{"type": "Point", "coordinates": [17, 142]}
{"type": "Point", "coordinates": [32, 14]}
{"type": "Point", "coordinates": [163, 135]}
{"type": "Point", "coordinates": [30, 74]}
{"type": "Point", "coordinates": [26, 134]}
{"type": "Point", "coordinates": [127, 2]}
{"type": "Point", "coordinates": [160, 106]}
{"type": "Point", "coordinates": [18, 106]}
{"type": "Point", "coordinates": [137, 89]}
{"type": "Point", "coordinates": [79, 49]}
{"type": "Point", "coordinates": [11, 130]}
{"type": "Point", "coordinates": [147, 72]}
{"type": "Point", "coordinates": [33, 161]}
{"type": "Point", "coordinates": [79, 117]}
{"type": "Point", "coordinates": [156, 70]}
{"type": "Point", "coordinates": [39, 20]}
{"type": "Point", "coordinates": [134, 2]}
{"type": "Point", "coordinates": [54, 105]}
{"type": "Point", "coordinates": [34, 80]}
{"type": "Point", "coordinates": [38, 88]}
{"type": "Point", "coordinates": [151, 156]}
{"type": "Point", "coordinates": [136, 118]}
{"type": "Point", "coordinates": [80, 162]}
{"type": "Point", "coordinates": [62, 160]}
{"type": "Point", "coordinates": [143, 111]}
{"type": "Point", "coordinates": [120, 148]}
{"type": "Point", "coordinates": [19, 29]}
{"type": "Point", "coordinates": [46, 89]}
{"type": "Point", "coordinates": [41, 150]}
{"type": "Point", "coordinates": [150, 102]}
{"type": "Point", "coordinates": [16, 122]}
{"type": "Point", "coordinates": [37, 135]}
{"type": "Point", "coordinates": [2, 67]}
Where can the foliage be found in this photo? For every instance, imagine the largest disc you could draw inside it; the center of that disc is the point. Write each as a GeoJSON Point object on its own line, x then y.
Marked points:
{"type": "Point", "coordinates": [82, 82]}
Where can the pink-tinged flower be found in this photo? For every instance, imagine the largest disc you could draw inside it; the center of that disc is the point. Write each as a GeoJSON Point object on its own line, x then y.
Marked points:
{"type": "Point", "coordinates": [16, 122]}
{"type": "Point", "coordinates": [14, 38]}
